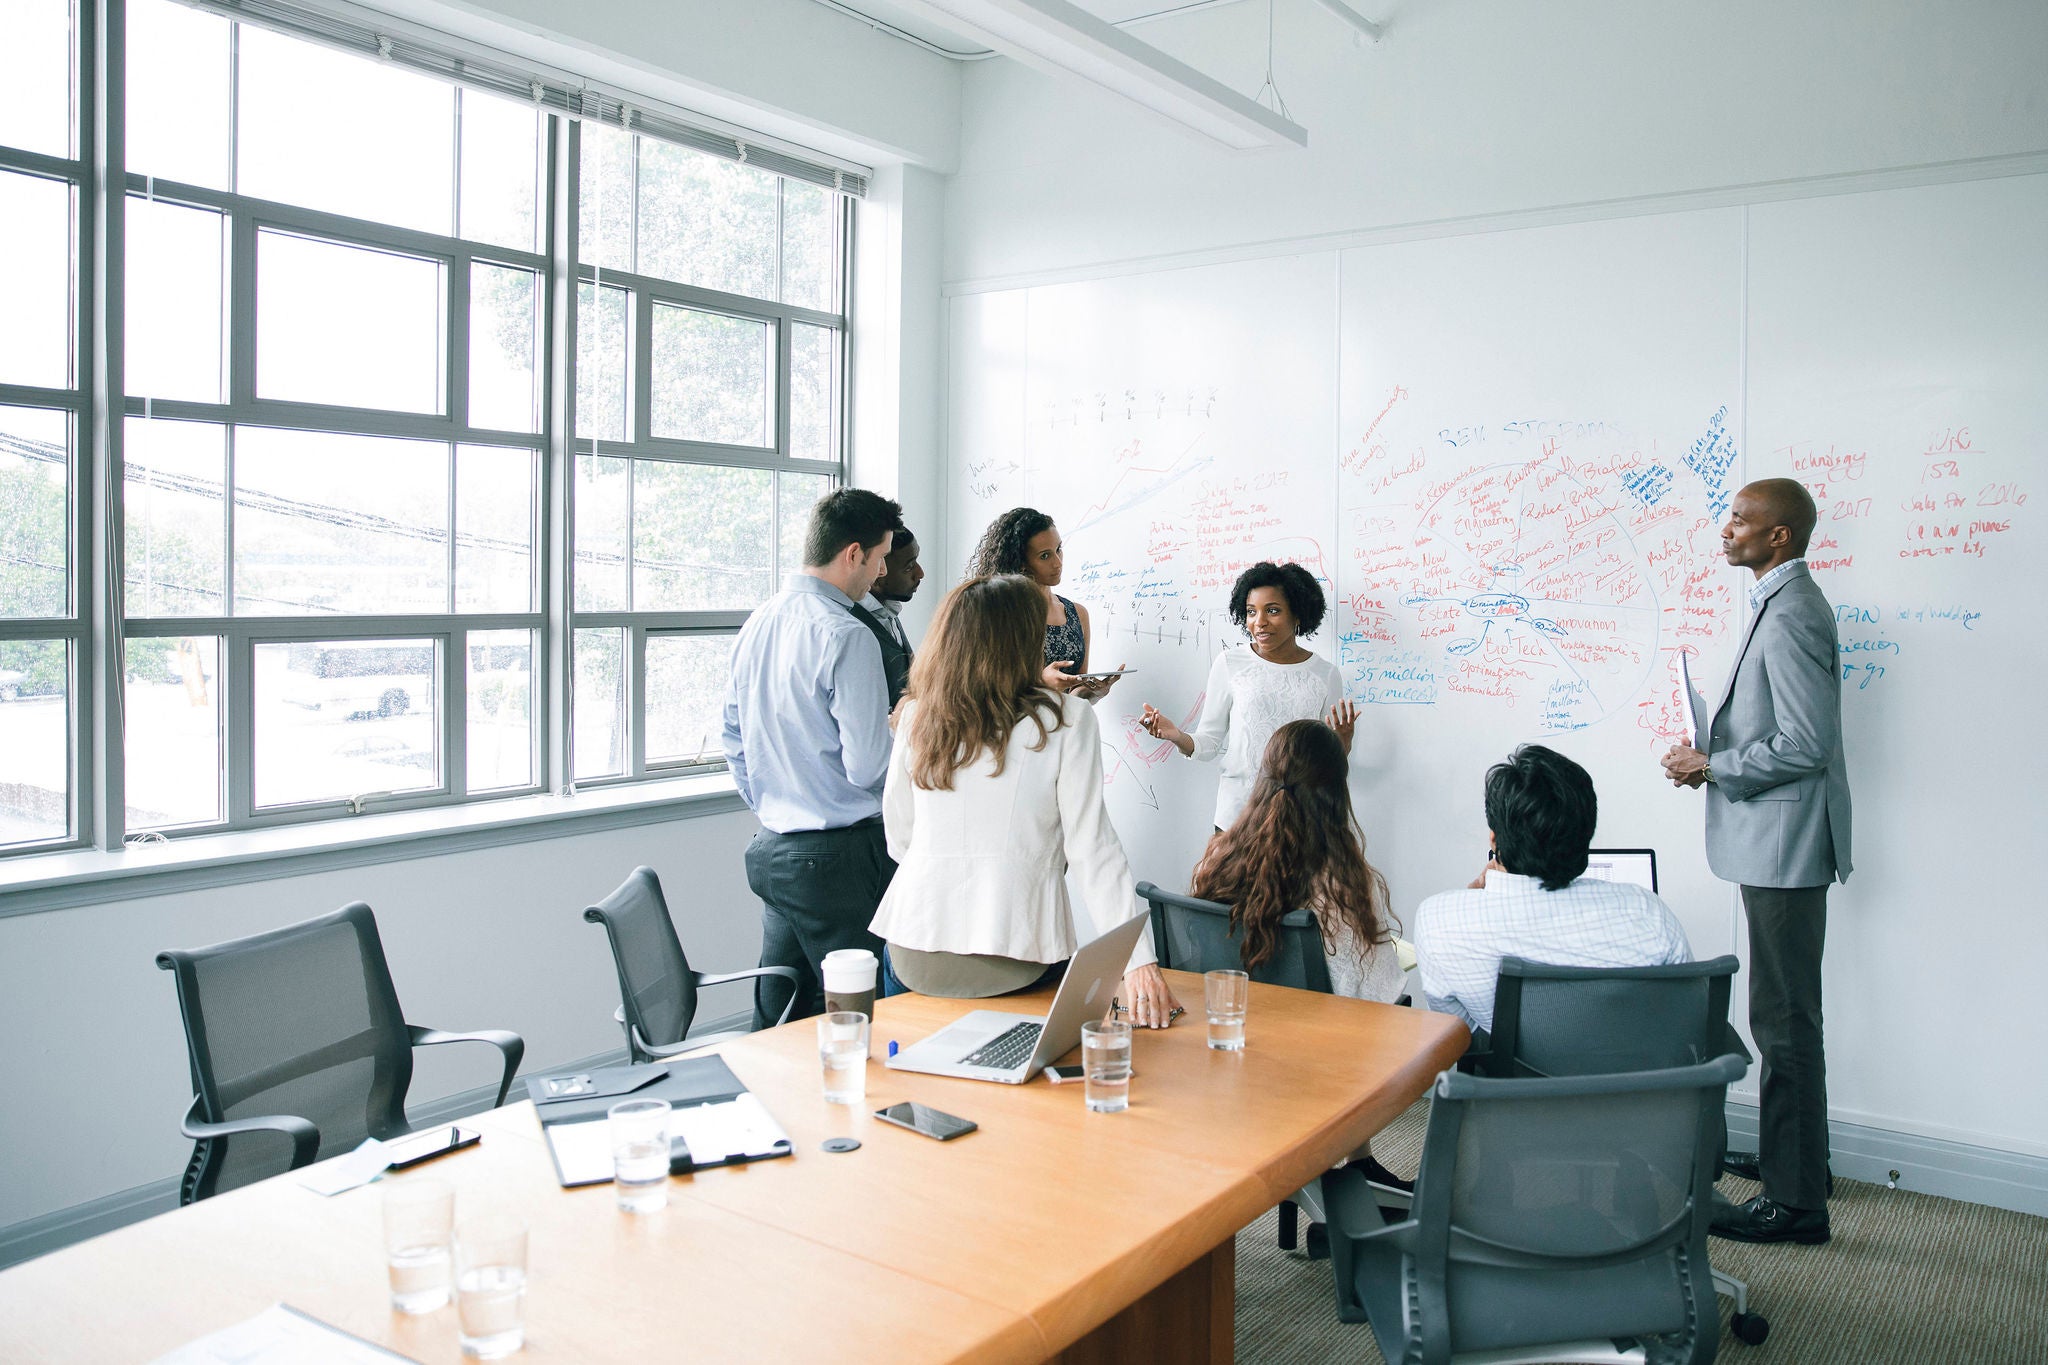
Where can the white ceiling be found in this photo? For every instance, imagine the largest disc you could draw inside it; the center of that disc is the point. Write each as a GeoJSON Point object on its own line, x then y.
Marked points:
{"type": "Point", "coordinates": [1115, 11]}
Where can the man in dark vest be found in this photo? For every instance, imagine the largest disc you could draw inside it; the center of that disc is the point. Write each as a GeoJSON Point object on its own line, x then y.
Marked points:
{"type": "Point", "coordinates": [882, 610]}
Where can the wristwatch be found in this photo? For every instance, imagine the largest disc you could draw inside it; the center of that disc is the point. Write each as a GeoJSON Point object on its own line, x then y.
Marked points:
{"type": "Point", "coordinates": [1707, 773]}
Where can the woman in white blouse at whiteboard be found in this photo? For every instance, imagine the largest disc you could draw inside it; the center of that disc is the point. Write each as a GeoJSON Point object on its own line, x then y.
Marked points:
{"type": "Point", "coordinates": [1253, 692]}
{"type": "Point", "coordinates": [994, 789]}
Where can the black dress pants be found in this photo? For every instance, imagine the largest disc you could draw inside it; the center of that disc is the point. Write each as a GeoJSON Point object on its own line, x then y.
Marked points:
{"type": "Point", "coordinates": [1787, 931]}
{"type": "Point", "coordinates": [819, 890]}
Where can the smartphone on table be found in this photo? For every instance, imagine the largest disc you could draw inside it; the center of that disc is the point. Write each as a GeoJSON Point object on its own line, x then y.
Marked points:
{"type": "Point", "coordinates": [922, 1118]}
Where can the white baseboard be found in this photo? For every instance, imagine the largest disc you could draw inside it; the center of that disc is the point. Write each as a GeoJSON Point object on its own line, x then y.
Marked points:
{"type": "Point", "coordinates": [1953, 1170]}
{"type": "Point", "coordinates": [38, 1236]}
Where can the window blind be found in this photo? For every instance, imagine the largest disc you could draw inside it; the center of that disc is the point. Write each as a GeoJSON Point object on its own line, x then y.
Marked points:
{"type": "Point", "coordinates": [361, 31]}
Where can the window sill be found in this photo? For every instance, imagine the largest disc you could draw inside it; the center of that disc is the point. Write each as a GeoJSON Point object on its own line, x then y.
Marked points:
{"type": "Point", "coordinates": [57, 881]}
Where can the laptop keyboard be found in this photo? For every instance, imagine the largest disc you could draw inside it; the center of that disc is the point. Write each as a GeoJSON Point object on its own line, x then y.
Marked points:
{"type": "Point", "coordinates": [1007, 1050]}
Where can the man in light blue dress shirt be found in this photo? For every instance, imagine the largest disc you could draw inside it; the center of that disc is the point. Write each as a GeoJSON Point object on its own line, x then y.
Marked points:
{"type": "Point", "coordinates": [807, 737]}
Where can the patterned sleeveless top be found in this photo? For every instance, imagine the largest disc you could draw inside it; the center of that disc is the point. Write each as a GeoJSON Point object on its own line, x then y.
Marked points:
{"type": "Point", "coordinates": [1066, 641]}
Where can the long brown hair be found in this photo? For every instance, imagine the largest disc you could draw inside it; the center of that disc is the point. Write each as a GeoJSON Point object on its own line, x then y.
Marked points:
{"type": "Point", "coordinates": [978, 678]}
{"type": "Point", "coordinates": [1297, 846]}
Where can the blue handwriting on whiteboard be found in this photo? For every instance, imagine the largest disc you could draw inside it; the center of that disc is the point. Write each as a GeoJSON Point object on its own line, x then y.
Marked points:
{"type": "Point", "coordinates": [1710, 458]}
{"type": "Point", "coordinates": [1648, 486]}
{"type": "Point", "coordinates": [1401, 678]}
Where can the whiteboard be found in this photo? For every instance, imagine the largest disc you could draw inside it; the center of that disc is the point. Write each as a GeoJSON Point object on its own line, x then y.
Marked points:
{"type": "Point", "coordinates": [1509, 454]}
{"type": "Point", "coordinates": [1176, 427]}
{"type": "Point", "coordinates": [1898, 350]}
{"type": "Point", "coordinates": [1538, 449]}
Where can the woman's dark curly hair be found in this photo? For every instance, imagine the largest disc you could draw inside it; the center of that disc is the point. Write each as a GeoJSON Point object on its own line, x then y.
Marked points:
{"type": "Point", "coordinates": [1004, 543]}
{"type": "Point", "coordinates": [1304, 595]}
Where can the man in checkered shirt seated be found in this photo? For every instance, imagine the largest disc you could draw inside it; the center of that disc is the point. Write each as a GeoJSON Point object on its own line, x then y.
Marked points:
{"type": "Point", "coordinates": [1534, 900]}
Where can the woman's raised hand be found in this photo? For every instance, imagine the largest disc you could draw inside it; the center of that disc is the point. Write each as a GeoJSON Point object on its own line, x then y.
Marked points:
{"type": "Point", "coordinates": [1344, 719]}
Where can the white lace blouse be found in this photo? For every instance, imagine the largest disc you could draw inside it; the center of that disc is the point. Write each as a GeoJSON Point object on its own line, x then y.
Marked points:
{"type": "Point", "coordinates": [1248, 699]}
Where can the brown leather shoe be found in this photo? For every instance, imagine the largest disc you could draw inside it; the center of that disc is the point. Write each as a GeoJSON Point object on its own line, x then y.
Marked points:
{"type": "Point", "coordinates": [1764, 1219]}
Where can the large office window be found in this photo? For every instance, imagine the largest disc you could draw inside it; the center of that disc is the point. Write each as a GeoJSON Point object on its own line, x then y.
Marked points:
{"type": "Point", "coordinates": [43, 641]}
{"type": "Point", "coordinates": [334, 280]}
{"type": "Point", "coordinates": [319, 582]}
{"type": "Point", "coordinates": [710, 341]}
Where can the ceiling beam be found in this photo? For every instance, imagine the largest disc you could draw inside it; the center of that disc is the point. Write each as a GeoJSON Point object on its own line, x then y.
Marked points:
{"type": "Point", "coordinates": [1064, 39]}
{"type": "Point", "coordinates": [1355, 19]}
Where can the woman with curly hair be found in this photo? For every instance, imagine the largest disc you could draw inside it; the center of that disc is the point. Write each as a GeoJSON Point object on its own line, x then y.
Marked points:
{"type": "Point", "coordinates": [1297, 846]}
{"type": "Point", "coordinates": [1024, 540]}
{"type": "Point", "coordinates": [1253, 692]}
{"type": "Point", "coordinates": [994, 792]}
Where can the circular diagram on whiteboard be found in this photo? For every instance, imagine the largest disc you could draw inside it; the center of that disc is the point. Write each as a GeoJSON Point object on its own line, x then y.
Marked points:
{"type": "Point", "coordinates": [1527, 585]}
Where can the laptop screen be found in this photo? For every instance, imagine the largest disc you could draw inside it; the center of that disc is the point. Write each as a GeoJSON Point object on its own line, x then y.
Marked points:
{"type": "Point", "coordinates": [1635, 866]}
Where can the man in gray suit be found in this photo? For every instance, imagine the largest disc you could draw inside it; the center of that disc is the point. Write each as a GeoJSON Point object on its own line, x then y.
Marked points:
{"type": "Point", "coordinates": [1777, 793]}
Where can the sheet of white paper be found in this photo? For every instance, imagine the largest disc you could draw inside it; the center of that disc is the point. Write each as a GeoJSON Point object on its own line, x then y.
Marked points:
{"type": "Point", "coordinates": [279, 1336]}
{"type": "Point", "coordinates": [743, 1127]}
{"type": "Point", "coordinates": [583, 1151]}
{"type": "Point", "coordinates": [359, 1167]}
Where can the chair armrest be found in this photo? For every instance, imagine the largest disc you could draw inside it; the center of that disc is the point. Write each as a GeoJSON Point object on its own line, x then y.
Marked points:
{"type": "Point", "coordinates": [663, 1051]}
{"type": "Point", "coordinates": [507, 1042]}
{"type": "Point", "coordinates": [305, 1137]}
{"type": "Point", "coordinates": [787, 973]}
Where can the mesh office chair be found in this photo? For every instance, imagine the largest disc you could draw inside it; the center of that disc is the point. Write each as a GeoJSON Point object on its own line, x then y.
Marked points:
{"type": "Point", "coordinates": [657, 989]}
{"type": "Point", "coordinates": [298, 1049]}
{"type": "Point", "coordinates": [1548, 1211]}
{"type": "Point", "coordinates": [1193, 935]}
{"type": "Point", "coordinates": [1584, 1021]}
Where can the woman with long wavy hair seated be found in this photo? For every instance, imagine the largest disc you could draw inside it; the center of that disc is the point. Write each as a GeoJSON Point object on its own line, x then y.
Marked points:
{"type": "Point", "coordinates": [1297, 846]}
{"type": "Point", "coordinates": [994, 790]}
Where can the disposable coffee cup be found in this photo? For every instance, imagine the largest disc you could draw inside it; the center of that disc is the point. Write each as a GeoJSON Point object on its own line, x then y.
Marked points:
{"type": "Point", "coordinates": [850, 975]}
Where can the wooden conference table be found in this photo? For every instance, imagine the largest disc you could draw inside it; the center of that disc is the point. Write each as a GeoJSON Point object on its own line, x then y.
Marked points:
{"type": "Point", "coordinates": [1050, 1234]}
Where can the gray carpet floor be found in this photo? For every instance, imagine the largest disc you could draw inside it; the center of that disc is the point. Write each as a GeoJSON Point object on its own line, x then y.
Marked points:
{"type": "Point", "coordinates": [1907, 1278]}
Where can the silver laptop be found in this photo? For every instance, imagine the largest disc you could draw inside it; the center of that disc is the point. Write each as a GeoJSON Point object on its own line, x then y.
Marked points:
{"type": "Point", "coordinates": [990, 1045]}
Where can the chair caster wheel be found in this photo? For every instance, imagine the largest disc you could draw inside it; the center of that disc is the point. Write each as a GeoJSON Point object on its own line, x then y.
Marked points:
{"type": "Point", "coordinates": [1750, 1328]}
{"type": "Point", "coordinates": [1318, 1242]}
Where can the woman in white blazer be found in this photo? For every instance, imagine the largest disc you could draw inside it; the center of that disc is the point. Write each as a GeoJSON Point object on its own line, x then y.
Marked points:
{"type": "Point", "coordinates": [994, 790]}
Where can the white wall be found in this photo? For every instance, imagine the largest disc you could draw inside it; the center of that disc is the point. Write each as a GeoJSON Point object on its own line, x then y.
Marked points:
{"type": "Point", "coordinates": [94, 1072]}
{"type": "Point", "coordinates": [898, 357]}
{"type": "Point", "coordinates": [1486, 106]}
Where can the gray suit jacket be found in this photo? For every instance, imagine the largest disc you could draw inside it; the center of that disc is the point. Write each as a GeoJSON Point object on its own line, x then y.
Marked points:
{"type": "Point", "coordinates": [1778, 807]}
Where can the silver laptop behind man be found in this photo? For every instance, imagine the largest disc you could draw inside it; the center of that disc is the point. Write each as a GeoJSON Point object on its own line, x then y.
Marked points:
{"type": "Point", "coordinates": [990, 1045]}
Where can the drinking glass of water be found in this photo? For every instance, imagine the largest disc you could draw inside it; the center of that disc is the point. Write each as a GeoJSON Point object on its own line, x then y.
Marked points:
{"type": "Point", "coordinates": [490, 1285]}
{"type": "Point", "coordinates": [418, 1214]}
{"type": "Point", "coordinates": [1226, 994]}
{"type": "Point", "coordinates": [1106, 1065]}
{"type": "Point", "coordinates": [843, 1051]}
{"type": "Point", "coordinates": [639, 1134]}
